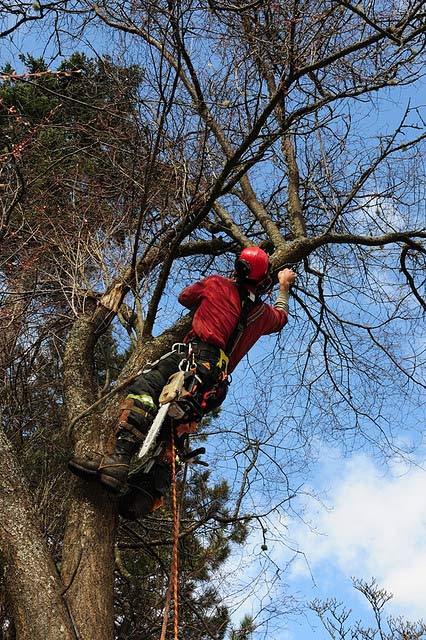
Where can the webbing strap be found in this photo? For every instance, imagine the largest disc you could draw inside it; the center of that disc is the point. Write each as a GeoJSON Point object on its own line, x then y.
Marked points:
{"type": "Point", "coordinates": [223, 361]}
{"type": "Point", "coordinates": [131, 408]}
{"type": "Point", "coordinates": [130, 427]}
{"type": "Point", "coordinates": [247, 305]}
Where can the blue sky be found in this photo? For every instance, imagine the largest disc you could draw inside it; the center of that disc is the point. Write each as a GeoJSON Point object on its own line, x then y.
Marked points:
{"type": "Point", "coordinates": [372, 523]}
{"type": "Point", "coordinates": [354, 517]}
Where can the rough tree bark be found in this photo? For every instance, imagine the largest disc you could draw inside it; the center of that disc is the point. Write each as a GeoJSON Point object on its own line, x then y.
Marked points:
{"type": "Point", "coordinates": [34, 586]}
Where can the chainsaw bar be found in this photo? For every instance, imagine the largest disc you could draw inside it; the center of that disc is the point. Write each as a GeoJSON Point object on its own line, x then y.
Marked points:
{"type": "Point", "coordinates": [151, 437]}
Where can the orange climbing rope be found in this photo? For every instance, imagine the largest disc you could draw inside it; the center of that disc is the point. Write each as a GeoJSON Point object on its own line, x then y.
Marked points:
{"type": "Point", "coordinates": [175, 561]}
{"type": "Point", "coordinates": [174, 575]}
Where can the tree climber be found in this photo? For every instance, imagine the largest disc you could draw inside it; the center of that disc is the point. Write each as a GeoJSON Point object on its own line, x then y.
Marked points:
{"type": "Point", "coordinates": [229, 317]}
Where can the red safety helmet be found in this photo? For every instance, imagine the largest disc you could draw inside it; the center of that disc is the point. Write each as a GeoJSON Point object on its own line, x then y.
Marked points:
{"type": "Point", "coordinates": [252, 264]}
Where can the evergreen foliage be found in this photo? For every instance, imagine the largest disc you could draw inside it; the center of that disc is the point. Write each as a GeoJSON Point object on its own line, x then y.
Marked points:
{"type": "Point", "coordinates": [80, 121]}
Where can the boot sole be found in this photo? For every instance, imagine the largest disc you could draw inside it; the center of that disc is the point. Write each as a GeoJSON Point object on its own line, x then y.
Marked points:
{"type": "Point", "coordinates": [82, 472]}
{"type": "Point", "coordinates": [112, 485]}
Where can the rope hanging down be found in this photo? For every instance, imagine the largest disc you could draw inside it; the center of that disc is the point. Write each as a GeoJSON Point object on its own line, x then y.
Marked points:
{"type": "Point", "coordinates": [174, 575]}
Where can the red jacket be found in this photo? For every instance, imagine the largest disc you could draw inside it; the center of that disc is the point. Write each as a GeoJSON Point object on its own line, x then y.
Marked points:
{"type": "Point", "coordinates": [218, 308]}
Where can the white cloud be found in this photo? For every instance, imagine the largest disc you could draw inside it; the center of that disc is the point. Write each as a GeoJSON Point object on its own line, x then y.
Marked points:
{"type": "Point", "coordinates": [375, 526]}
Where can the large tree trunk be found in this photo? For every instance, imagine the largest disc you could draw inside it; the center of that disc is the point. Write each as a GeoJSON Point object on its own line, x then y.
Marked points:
{"type": "Point", "coordinates": [88, 547]}
{"type": "Point", "coordinates": [88, 561]}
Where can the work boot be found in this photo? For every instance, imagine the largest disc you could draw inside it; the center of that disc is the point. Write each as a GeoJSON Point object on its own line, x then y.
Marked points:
{"type": "Point", "coordinates": [114, 469]}
{"type": "Point", "coordinates": [85, 467]}
{"type": "Point", "coordinates": [135, 419]}
{"type": "Point", "coordinates": [145, 492]}
{"type": "Point", "coordinates": [110, 469]}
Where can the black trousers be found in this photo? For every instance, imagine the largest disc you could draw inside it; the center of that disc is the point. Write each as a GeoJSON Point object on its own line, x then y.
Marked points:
{"type": "Point", "coordinates": [153, 380]}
